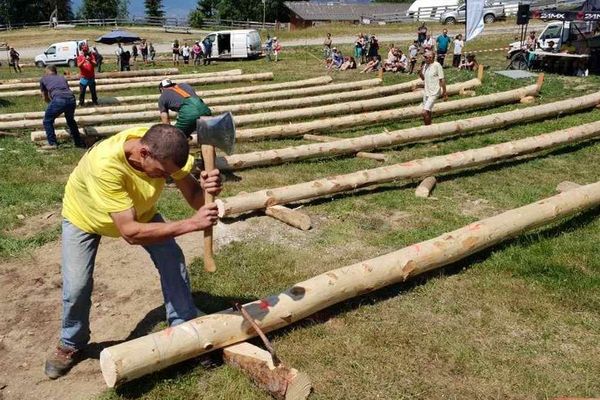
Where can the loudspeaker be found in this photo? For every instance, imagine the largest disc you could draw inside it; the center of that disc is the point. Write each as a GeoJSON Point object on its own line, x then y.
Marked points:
{"type": "Point", "coordinates": [523, 14]}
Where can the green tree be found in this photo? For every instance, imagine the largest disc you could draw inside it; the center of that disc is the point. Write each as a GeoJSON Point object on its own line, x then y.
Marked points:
{"type": "Point", "coordinates": [98, 9]}
{"type": "Point", "coordinates": [196, 18]}
{"type": "Point", "coordinates": [154, 8]}
{"type": "Point", "coordinates": [24, 11]}
{"type": "Point", "coordinates": [207, 8]}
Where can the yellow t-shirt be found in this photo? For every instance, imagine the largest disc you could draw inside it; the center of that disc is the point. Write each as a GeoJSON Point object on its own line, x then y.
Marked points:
{"type": "Point", "coordinates": [104, 182]}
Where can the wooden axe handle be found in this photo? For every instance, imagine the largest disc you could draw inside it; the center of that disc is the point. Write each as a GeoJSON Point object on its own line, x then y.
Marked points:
{"type": "Point", "coordinates": [208, 155]}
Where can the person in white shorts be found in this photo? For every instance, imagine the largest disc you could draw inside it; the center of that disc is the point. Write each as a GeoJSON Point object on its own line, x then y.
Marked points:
{"type": "Point", "coordinates": [432, 74]}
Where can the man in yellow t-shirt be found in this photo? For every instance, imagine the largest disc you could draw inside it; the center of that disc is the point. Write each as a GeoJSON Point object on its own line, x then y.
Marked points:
{"type": "Point", "coordinates": [113, 191]}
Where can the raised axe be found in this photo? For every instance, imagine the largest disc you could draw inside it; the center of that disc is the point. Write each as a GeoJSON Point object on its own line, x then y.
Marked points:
{"type": "Point", "coordinates": [213, 132]}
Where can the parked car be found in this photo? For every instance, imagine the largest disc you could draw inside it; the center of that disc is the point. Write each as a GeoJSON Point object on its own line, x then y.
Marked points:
{"type": "Point", "coordinates": [557, 32]}
{"type": "Point", "coordinates": [490, 14]}
{"type": "Point", "coordinates": [434, 8]}
{"type": "Point", "coordinates": [62, 53]}
{"type": "Point", "coordinates": [240, 43]}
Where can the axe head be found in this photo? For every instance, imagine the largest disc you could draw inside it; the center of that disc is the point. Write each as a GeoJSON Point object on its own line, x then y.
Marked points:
{"type": "Point", "coordinates": [218, 131]}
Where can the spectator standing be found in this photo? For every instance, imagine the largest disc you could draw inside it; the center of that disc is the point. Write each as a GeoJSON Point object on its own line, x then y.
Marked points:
{"type": "Point", "coordinates": [14, 59]}
{"type": "Point", "coordinates": [151, 52]}
{"type": "Point", "coordinates": [427, 43]}
{"type": "Point", "coordinates": [185, 52]}
{"type": "Point", "coordinates": [442, 44]}
{"type": "Point", "coordinates": [86, 62]}
{"type": "Point", "coordinates": [413, 51]}
{"type": "Point", "coordinates": [175, 51]}
{"type": "Point", "coordinates": [373, 47]}
{"type": "Point", "coordinates": [125, 58]}
{"type": "Point", "coordinates": [144, 51]}
{"type": "Point", "coordinates": [207, 43]}
{"type": "Point", "coordinates": [134, 52]}
{"type": "Point", "coordinates": [56, 92]}
{"type": "Point", "coordinates": [196, 53]}
{"type": "Point", "coordinates": [358, 44]}
{"type": "Point", "coordinates": [99, 59]}
{"type": "Point", "coordinates": [458, 48]}
{"type": "Point", "coordinates": [421, 34]}
{"type": "Point", "coordinates": [432, 74]}
{"type": "Point", "coordinates": [119, 53]}
{"type": "Point", "coordinates": [327, 46]}
{"type": "Point", "coordinates": [276, 48]}
{"type": "Point", "coordinates": [269, 47]}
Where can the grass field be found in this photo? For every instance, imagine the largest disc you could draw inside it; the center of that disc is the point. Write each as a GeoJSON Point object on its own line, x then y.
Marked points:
{"type": "Point", "coordinates": [519, 321]}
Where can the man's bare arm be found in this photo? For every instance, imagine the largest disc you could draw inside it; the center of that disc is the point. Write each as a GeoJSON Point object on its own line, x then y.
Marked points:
{"type": "Point", "coordinates": [164, 117]}
{"type": "Point", "coordinates": [193, 191]}
{"type": "Point", "coordinates": [135, 232]}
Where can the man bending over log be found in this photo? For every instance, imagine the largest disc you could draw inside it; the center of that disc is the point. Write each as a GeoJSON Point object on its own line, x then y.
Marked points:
{"type": "Point", "coordinates": [181, 98]}
{"type": "Point", "coordinates": [113, 191]}
{"type": "Point", "coordinates": [432, 74]}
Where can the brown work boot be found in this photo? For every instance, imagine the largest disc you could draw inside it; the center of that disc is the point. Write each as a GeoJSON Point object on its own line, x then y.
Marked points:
{"type": "Point", "coordinates": [61, 360]}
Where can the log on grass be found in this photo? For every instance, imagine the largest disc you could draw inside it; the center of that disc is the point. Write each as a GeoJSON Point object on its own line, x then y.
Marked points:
{"type": "Point", "coordinates": [565, 186]}
{"type": "Point", "coordinates": [135, 358]}
{"type": "Point", "coordinates": [150, 83]}
{"type": "Point", "coordinates": [114, 74]}
{"type": "Point", "coordinates": [85, 120]}
{"type": "Point", "coordinates": [255, 89]}
{"type": "Point", "coordinates": [372, 156]}
{"type": "Point", "coordinates": [361, 106]}
{"type": "Point", "coordinates": [425, 187]}
{"type": "Point", "coordinates": [335, 96]}
{"type": "Point", "coordinates": [416, 169]}
{"type": "Point", "coordinates": [113, 81]}
{"type": "Point", "coordinates": [291, 217]}
{"type": "Point", "coordinates": [280, 381]}
{"type": "Point", "coordinates": [403, 136]}
{"type": "Point", "coordinates": [349, 121]}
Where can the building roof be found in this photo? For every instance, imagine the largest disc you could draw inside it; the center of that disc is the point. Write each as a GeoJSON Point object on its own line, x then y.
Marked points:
{"type": "Point", "coordinates": [309, 11]}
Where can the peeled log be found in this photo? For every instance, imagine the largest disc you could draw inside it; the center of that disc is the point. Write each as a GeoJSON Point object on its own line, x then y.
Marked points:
{"type": "Point", "coordinates": [110, 81]}
{"type": "Point", "coordinates": [383, 102]}
{"type": "Point", "coordinates": [115, 74]}
{"type": "Point", "coordinates": [372, 156]}
{"type": "Point", "coordinates": [565, 186]}
{"type": "Point", "coordinates": [291, 217]}
{"type": "Point", "coordinates": [135, 358]}
{"type": "Point", "coordinates": [150, 83]}
{"type": "Point", "coordinates": [425, 187]}
{"type": "Point", "coordinates": [377, 117]}
{"type": "Point", "coordinates": [323, 80]}
{"type": "Point", "coordinates": [402, 136]}
{"type": "Point", "coordinates": [408, 170]}
{"type": "Point", "coordinates": [335, 97]}
{"type": "Point", "coordinates": [280, 381]}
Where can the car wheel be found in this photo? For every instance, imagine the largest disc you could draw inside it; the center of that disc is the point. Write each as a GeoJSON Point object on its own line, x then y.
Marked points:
{"type": "Point", "coordinates": [71, 63]}
{"type": "Point", "coordinates": [489, 18]}
{"type": "Point", "coordinates": [450, 21]}
{"type": "Point", "coordinates": [518, 61]}
{"type": "Point", "coordinates": [40, 64]}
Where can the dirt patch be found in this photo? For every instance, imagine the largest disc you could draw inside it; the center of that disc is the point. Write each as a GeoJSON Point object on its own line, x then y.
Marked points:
{"type": "Point", "coordinates": [479, 208]}
{"type": "Point", "coordinates": [126, 297]}
{"type": "Point", "coordinates": [36, 224]}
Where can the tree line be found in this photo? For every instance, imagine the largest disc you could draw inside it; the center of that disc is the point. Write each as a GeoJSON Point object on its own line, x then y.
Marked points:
{"type": "Point", "coordinates": [25, 11]}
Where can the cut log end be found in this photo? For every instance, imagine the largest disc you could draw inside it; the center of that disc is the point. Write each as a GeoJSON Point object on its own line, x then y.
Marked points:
{"type": "Point", "coordinates": [480, 72]}
{"type": "Point", "coordinates": [109, 369]}
{"type": "Point", "coordinates": [299, 387]}
{"type": "Point", "coordinates": [540, 81]}
{"type": "Point", "coordinates": [465, 92]}
{"type": "Point", "coordinates": [426, 186]}
{"type": "Point", "coordinates": [527, 100]}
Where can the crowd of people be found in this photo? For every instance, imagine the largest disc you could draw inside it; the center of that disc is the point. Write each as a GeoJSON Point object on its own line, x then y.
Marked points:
{"type": "Point", "coordinates": [366, 52]}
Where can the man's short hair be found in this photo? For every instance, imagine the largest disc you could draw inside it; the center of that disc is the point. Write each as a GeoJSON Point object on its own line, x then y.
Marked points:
{"type": "Point", "coordinates": [52, 68]}
{"type": "Point", "coordinates": [167, 142]}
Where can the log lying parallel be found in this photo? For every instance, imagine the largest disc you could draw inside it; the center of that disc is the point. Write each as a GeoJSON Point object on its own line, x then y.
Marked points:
{"type": "Point", "coordinates": [135, 358]}
{"type": "Point", "coordinates": [403, 136]}
{"type": "Point", "coordinates": [114, 74]}
{"type": "Point", "coordinates": [420, 168]}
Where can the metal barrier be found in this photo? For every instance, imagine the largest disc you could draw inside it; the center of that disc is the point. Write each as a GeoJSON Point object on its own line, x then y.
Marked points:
{"type": "Point", "coordinates": [432, 13]}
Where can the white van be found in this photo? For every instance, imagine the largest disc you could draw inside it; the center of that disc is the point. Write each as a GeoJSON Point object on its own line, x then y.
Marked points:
{"type": "Point", "coordinates": [63, 53]}
{"type": "Point", "coordinates": [240, 43]}
{"type": "Point", "coordinates": [437, 7]}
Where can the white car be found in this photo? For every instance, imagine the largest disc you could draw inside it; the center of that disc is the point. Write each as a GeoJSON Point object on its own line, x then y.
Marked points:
{"type": "Point", "coordinates": [62, 53]}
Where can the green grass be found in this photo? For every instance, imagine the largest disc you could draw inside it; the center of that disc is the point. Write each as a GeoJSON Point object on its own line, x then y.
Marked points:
{"type": "Point", "coordinates": [517, 321]}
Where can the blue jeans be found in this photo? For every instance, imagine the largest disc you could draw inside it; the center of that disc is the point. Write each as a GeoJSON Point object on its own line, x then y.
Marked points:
{"type": "Point", "coordinates": [57, 106]}
{"type": "Point", "coordinates": [82, 88]}
{"type": "Point", "coordinates": [78, 257]}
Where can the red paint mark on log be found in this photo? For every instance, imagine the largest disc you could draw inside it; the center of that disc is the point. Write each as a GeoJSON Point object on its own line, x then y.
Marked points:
{"type": "Point", "coordinates": [168, 332]}
{"type": "Point", "coordinates": [417, 247]}
{"type": "Point", "coordinates": [264, 304]}
{"type": "Point", "coordinates": [408, 164]}
{"type": "Point", "coordinates": [474, 227]}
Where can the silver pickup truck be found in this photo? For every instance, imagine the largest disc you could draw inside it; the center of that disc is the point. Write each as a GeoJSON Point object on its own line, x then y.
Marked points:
{"type": "Point", "coordinates": [491, 14]}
